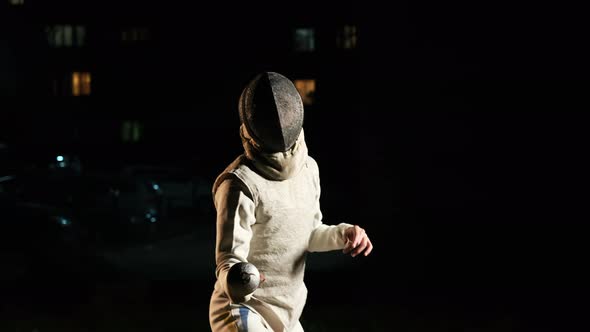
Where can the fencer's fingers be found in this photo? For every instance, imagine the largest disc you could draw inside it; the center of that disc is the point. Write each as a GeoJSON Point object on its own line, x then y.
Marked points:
{"type": "Point", "coordinates": [348, 247]}
{"type": "Point", "coordinates": [358, 236]}
{"type": "Point", "coordinates": [360, 248]}
{"type": "Point", "coordinates": [369, 247]}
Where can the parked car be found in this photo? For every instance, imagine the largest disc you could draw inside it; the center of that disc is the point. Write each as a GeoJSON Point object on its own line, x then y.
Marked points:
{"type": "Point", "coordinates": [184, 194]}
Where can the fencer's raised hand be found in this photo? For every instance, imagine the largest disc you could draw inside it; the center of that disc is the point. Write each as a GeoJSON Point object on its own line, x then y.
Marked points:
{"type": "Point", "coordinates": [357, 241]}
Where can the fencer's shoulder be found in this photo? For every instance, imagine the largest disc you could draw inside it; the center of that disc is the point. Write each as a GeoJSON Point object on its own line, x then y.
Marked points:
{"type": "Point", "coordinates": [228, 186]}
{"type": "Point", "coordinates": [243, 169]}
{"type": "Point", "coordinates": [227, 174]}
{"type": "Point", "coordinates": [238, 176]}
{"type": "Point", "coordinates": [312, 165]}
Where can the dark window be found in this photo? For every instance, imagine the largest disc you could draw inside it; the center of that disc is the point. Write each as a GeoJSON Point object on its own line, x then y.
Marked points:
{"type": "Point", "coordinates": [131, 131]}
{"type": "Point", "coordinates": [135, 34]}
{"type": "Point", "coordinates": [347, 37]}
{"type": "Point", "coordinates": [65, 35]}
{"type": "Point", "coordinates": [304, 39]}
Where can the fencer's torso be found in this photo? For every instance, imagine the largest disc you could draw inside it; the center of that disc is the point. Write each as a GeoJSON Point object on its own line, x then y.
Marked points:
{"type": "Point", "coordinates": [284, 213]}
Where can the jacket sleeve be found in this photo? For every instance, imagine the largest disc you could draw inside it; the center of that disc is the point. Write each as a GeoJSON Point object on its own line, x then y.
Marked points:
{"type": "Point", "coordinates": [235, 216]}
{"type": "Point", "coordinates": [324, 237]}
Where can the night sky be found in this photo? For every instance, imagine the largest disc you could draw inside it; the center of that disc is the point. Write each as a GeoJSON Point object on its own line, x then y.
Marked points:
{"type": "Point", "coordinates": [455, 134]}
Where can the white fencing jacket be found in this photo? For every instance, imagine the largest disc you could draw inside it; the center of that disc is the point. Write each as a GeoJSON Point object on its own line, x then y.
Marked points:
{"type": "Point", "coordinates": [273, 224]}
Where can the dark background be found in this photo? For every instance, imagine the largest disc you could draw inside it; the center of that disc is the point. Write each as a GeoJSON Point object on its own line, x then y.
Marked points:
{"type": "Point", "coordinates": [455, 134]}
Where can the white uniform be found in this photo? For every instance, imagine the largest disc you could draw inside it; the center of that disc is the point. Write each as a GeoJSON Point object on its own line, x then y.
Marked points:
{"type": "Point", "coordinates": [273, 224]}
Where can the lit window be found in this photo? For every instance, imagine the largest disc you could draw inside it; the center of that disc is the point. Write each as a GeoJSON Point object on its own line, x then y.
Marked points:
{"type": "Point", "coordinates": [66, 35]}
{"type": "Point", "coordinates": [81, 82]}
{"type": "Point", "coordinates": [135, 34]}
{"type": "Point", "coordinates": [72, 84]}
{"type": "Point", "coordinates": [306, 89]}
{"type": "Point", "coordinates": [17, 2]}
{"type": "Point", "coordinates": [347, 37]}
{"type": "Point", "coordinates": [131, 131]}
{"type": "Point", "coordinates": [304, 40]}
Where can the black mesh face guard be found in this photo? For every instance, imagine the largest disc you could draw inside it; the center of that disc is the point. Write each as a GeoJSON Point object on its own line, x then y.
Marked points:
{"type": "Point", "coordinates": [272, 111]}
